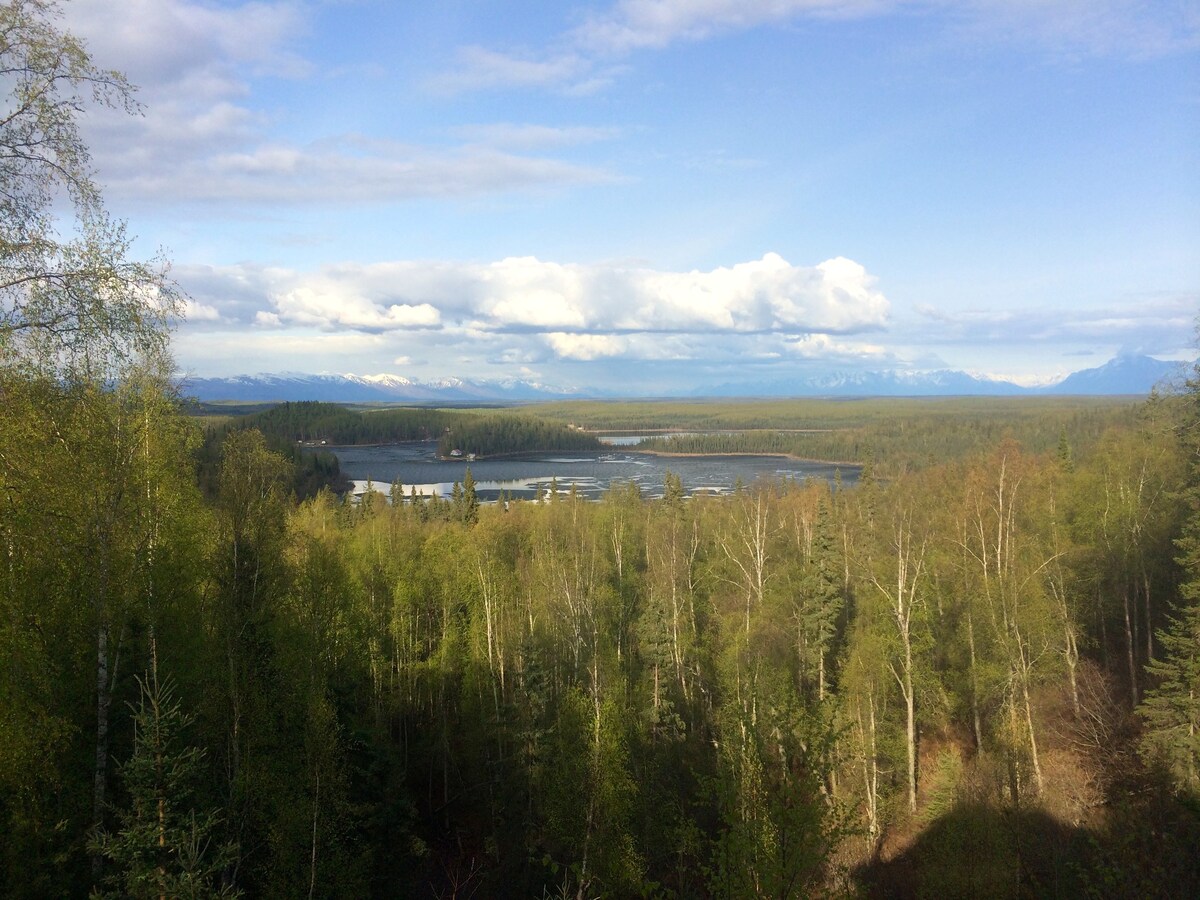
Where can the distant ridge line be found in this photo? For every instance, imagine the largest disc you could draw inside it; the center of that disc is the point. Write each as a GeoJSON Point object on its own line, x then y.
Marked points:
{"type": "Point", "coordinates": [1129, 374]}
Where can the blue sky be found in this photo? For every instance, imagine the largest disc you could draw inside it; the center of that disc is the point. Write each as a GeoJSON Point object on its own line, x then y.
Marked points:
{"type": "Point", "coordinates": [661, 194]}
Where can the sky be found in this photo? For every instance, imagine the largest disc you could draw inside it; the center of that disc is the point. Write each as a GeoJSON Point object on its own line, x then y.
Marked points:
{"type": "Point", "coordinates": [657, 195]}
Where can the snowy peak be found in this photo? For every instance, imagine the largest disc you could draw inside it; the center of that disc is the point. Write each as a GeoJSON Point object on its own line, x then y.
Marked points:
{"type": "Point", "coordinates": [1125, 374]}
{"type": "Point", "coordinates": [350, 388]}
{"type": "Point", "coordinates": [1128, 374]}
{"type": "Point", "coordinates": [884, 383]}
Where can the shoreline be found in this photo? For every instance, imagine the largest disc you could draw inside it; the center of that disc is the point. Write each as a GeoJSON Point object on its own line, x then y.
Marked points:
{"type": "Point", "coordinates": [791, 456]}
{"type": "Point", "coordinates": [521, 454]}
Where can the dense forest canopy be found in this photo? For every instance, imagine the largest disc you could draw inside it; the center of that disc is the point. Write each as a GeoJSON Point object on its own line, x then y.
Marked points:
{"type": "Point", "coordinates": [507, 433]}
{"type": "Point", "coordinates": [973, 674]}
{"type": "Point", "coordinates": [797, 689]}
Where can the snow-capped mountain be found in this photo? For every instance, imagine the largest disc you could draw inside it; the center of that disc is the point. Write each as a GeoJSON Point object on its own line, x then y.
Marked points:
{"type": "Point", "coordinates": [1127, 374]}
{"type": "Point", "coordinates": [351, 388]}
{"type": "Point", "coordinates": [883, 383]}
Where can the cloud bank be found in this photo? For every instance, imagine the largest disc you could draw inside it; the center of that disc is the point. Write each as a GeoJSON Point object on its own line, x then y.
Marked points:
{"type": "Point", "coordinates": [528, 295]}
{"type": "Point", "coordinates": [490, 319]}
{"type": "Point", "coordinates": [617, 324]}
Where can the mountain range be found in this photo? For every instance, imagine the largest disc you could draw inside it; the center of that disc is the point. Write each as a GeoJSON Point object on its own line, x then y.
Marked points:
{"type": "Point", "coordinates": [1126, 374]}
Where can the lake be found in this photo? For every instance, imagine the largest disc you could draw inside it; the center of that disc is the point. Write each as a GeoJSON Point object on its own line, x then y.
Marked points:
{"type": "Point", "coordinates": [591, 472]}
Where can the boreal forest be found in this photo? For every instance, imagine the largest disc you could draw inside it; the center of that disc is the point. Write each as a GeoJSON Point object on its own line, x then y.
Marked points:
{"type": "Point", "coordinates": [974, 672]}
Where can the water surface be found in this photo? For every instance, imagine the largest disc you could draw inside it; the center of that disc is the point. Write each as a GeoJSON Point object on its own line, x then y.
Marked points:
{"type": "Point", "coordinates": [417, 465]}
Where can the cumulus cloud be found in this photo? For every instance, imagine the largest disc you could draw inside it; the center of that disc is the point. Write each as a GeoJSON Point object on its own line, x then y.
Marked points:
{"type": "Point", "coordinates": [623, 324]}
{"type": "Point", "coordinates": [330, 308]}
{"type": "Point", "coordinates": [447, 317]}
{"type": "Point", "coordinates": [528, 295]}
{"type": "Point", "coordinates": [586, 346]}
{"type": "Point", "coordinates": [199, 312]}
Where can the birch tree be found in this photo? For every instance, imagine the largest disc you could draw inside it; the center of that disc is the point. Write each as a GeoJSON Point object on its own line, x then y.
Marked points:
{"type": "Point", "coordinates": [898, 580]}
{"type": "Point", "coordinates": [78, 303]}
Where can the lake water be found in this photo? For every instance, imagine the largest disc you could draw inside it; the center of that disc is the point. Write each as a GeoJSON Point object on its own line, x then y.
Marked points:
{"type": "Point", "coordinates": [591, 472]}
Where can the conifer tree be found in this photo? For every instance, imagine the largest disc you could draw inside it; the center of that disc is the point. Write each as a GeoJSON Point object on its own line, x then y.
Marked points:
{"type": "Point", "coordinates": [163, 846]}
{"type": "Point", "coordinates": [470, 502]}
{"type": "Point", "coordinates": [1172, 709]}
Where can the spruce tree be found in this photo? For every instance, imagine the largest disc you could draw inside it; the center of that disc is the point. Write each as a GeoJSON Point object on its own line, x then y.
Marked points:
{"type": "Point", "coordinates": [1172, 709]}
{"type": "Point", "coordinates": [163, 846]}
{"type": "Point", "coordinates": [470, 503]}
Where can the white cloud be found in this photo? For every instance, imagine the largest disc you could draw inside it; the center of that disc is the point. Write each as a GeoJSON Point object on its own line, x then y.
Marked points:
{"type": "Point", "coordinates": [762, 295]}
{"type": "Point", "coordinates": [1160, 324]}
{"type": "Point", "coordinates": [172, 42]}
{"type": "Point", "coordinates": [204, 137]}
{"type": "Point", "coordinates": [1090, 27]}
{"type": "Point", "coordinates": [199, 312]}
{"type": "Point", "coordinates": [822, 346]}
{"type": "Point", "coordinates": [586, 346]}
{"type": "Point", "coordinates": [327, 304]}
{"type": "Point", "coordinates": [1071, 28]}
{"type": "Point", "coordinates": [528, 295]}
{"type": "Point", "coordinates": [247, 351]}
{"type": "Point", "coordinates": [760, 317]}
{"type": "Point", "coordinates": [348, 171]}
{"type": "Point", "coordinates": [636, 24]}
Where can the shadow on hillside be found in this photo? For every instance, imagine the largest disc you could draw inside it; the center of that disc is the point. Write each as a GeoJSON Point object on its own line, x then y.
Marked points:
{"type": "Point", "coordinates": [1148, 849]}
{"type": "Point", "coordinates": [977, 850]}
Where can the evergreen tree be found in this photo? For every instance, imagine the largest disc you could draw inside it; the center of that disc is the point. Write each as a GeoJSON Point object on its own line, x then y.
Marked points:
{"type": "Point", "coordinates": [672, 489]}
{"type": "Point", "coordinates": [1066, 459]}
{"type": "Point", "coordinates": [1172, 709]}
{"type": "Point", "coordinates": [163, 846]}
{"type": "Point", "coordinates": [470, 503]}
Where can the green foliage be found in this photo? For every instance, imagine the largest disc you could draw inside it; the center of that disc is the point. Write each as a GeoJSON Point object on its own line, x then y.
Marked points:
{"type": "Point", "coordinates": [900, 433]}
{"type": "Point", "coordinates": [945, 785]}
{"type": "Point", "coordinates": [162, 845]}
{"type": "Point", "coordinates": [700, 697]}
{"type": "Point", "coordinates": [314, 422]}
{"type": "Point", "coordinates": [1172, 707]}
{"type": "Point", "coordinates": [75, 308]}
{"type": "Point", "coordinates": [497, 434]}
